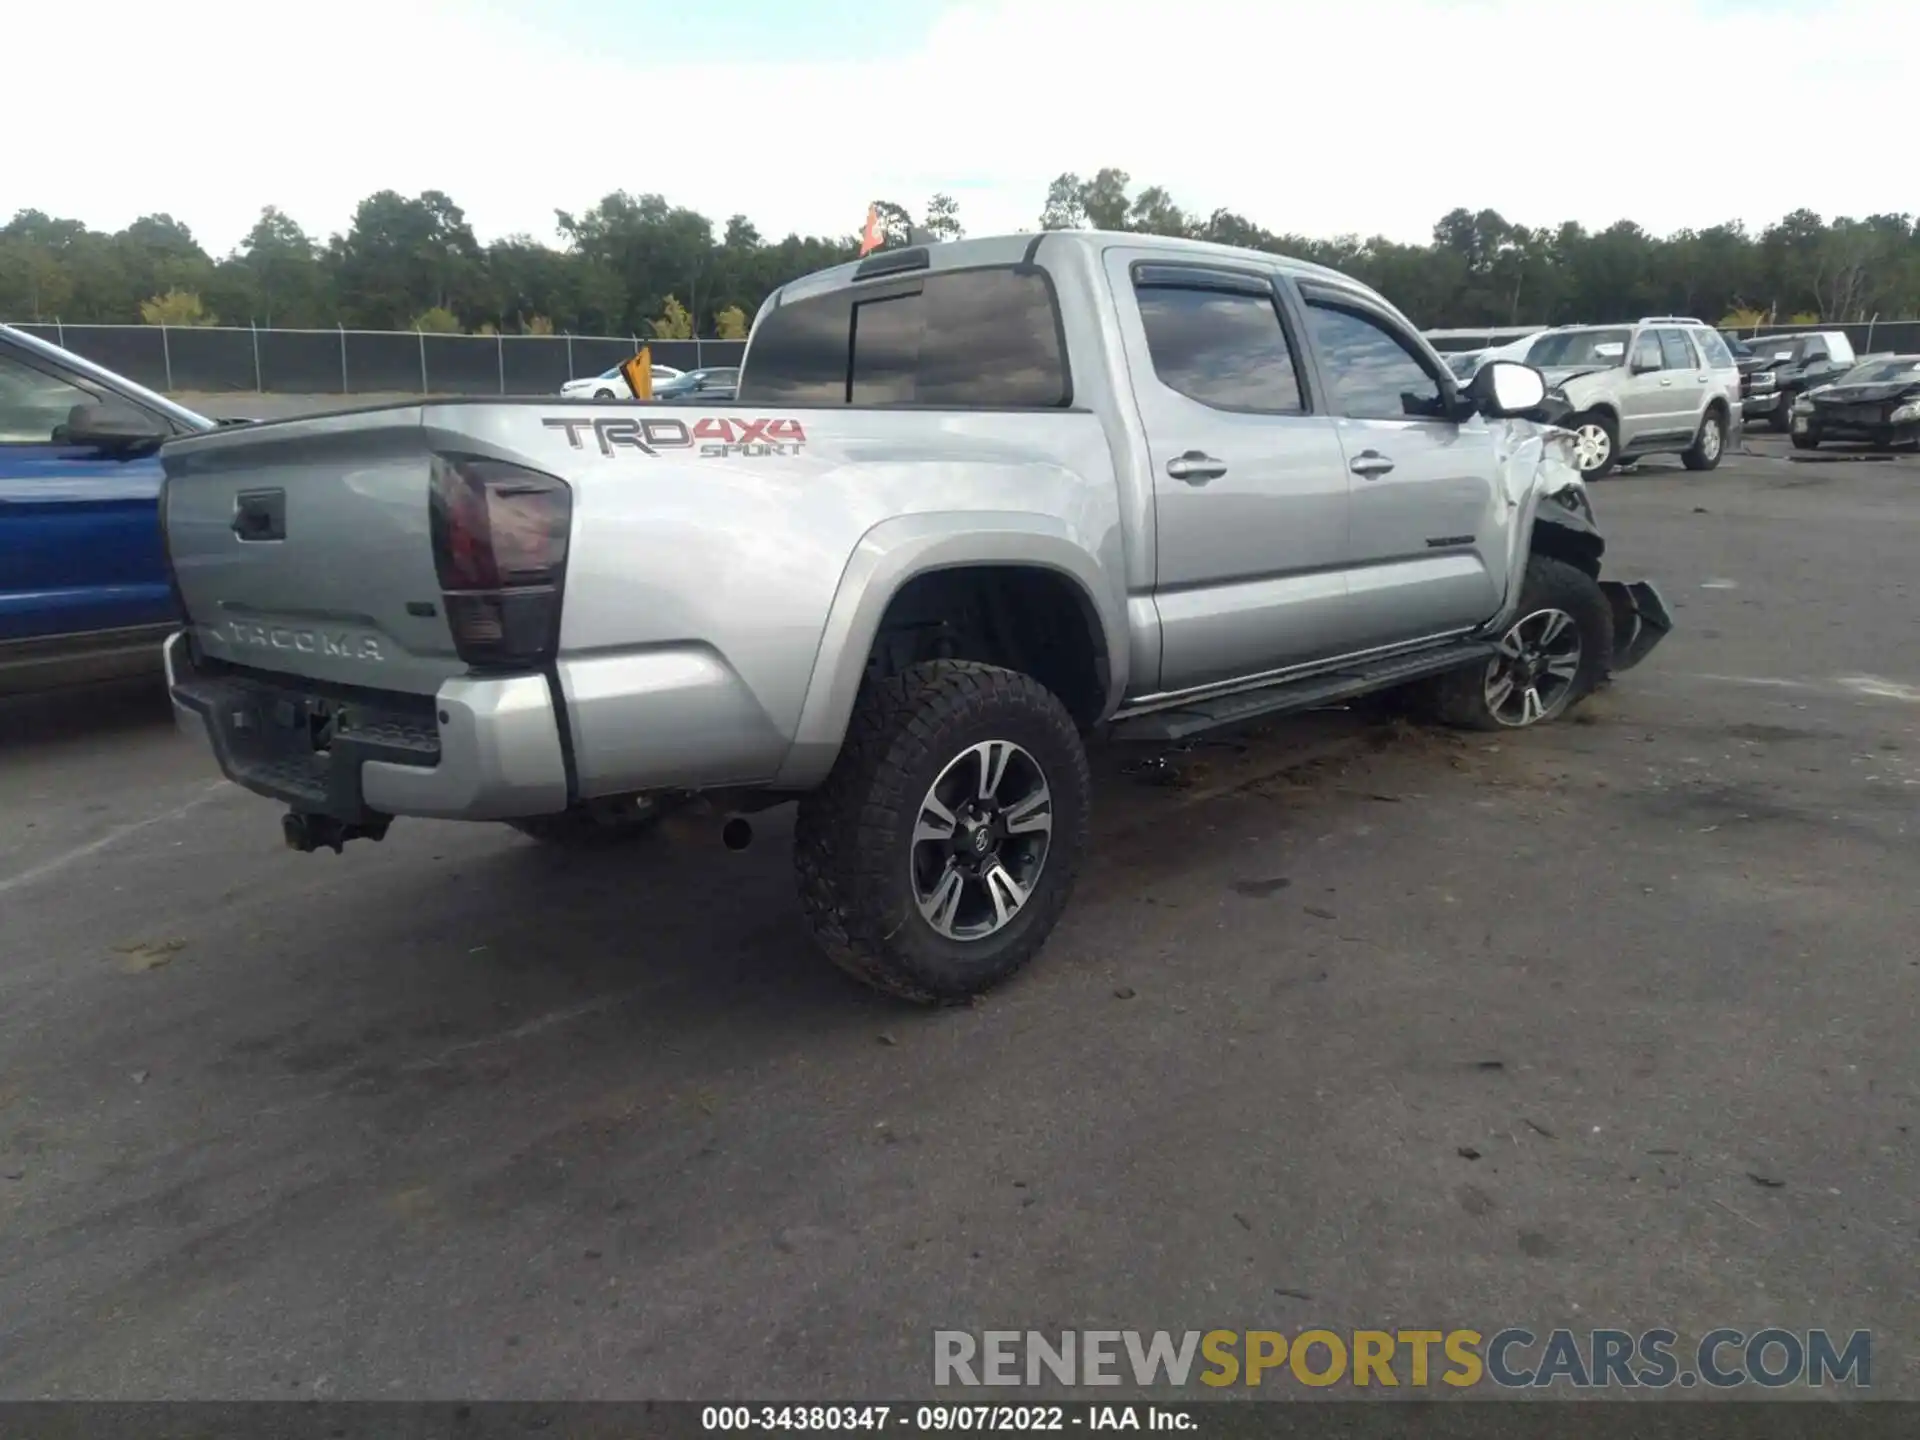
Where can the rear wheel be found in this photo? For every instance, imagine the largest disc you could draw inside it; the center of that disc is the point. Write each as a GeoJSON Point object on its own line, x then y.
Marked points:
{"type": "Point", "coordinates": [1555, 653]}
{"type": "Point", "coordinates": [941, 851]}
{"type": "Point", "coordinates": [603, 394]}
{"type": "Point", "coordinates": [1596, 443]}
{"type": "Point", "coordinates": [1708, 445]}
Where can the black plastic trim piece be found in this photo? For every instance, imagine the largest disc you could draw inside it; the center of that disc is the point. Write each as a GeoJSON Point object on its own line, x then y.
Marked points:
{"type": "Point", "coordinates": [563, 723]}
{"type": "Point", "coordinates": [892, 262]}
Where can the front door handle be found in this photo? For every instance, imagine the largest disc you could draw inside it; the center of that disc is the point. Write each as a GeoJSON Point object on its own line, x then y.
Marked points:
{"type": "Point", "coordinates": [1666, 379]}
{"type": "Point", "coordinates": [1196, 467]}
{"type": "Point", "coordinates": [1370, 463]}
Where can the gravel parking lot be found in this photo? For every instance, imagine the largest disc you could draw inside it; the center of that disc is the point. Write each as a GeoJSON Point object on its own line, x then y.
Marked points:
{"type": "Point", "coordinates": [1355, 1024]}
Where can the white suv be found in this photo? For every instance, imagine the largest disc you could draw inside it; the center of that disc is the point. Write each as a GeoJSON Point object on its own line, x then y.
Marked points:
{"type": "Point", "coordinates": [1663, 385]}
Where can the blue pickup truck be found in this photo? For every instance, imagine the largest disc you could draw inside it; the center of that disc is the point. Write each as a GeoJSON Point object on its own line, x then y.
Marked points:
{"type": "Point", "coordinates": [84, 593]}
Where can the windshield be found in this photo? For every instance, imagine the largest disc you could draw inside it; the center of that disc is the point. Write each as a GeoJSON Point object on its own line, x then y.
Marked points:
{"type": "Point", "coordinates": [1882, 372]}
{"type": "Point", "coordinates": [1580, 347]}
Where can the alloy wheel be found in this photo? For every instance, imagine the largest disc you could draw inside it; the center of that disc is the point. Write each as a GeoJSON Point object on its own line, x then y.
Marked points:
{"type": "Point", "coordinates": [980, 840]}
{"type": "Point", "coordinates": [1532, 677]}
{"type": "Point", "coordinates": [1591, 447]}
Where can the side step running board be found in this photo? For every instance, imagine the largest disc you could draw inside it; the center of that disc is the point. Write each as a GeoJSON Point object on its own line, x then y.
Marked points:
{"type": "Point", "coordinates": [1325, 688]}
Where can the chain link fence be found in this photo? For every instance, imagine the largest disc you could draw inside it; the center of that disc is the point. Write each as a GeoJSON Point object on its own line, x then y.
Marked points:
{"type": "Point", "coordinates": [225, 360]}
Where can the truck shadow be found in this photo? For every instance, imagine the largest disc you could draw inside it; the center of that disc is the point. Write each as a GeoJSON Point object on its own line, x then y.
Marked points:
{"type": "Point", "coordinates": [101, 711]}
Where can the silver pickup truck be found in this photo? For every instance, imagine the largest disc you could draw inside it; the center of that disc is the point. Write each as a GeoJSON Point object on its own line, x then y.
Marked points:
{"type": "Point", "coordinates": [976, 504]}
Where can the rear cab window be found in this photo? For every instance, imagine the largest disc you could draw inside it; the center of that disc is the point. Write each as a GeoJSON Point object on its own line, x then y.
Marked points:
{"type": "Point", "coordinates": [987, 338]}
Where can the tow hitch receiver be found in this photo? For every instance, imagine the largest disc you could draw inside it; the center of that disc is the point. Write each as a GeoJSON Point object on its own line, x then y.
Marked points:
{"type": "Point", "coordinates": [306, 833]}
{"type": "Point", "coordinates": [1640, 620]}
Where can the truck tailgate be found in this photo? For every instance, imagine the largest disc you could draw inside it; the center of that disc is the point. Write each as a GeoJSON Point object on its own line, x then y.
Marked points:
{"type": "Point", "coordinates": [305, 547]}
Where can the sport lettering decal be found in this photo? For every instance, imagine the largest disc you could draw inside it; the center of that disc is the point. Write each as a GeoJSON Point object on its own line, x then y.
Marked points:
{"type": "Point", "coordinates": [713, 436]}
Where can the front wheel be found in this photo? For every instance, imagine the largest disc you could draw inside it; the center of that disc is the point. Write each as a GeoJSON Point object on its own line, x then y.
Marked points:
{"type": "Point", "coordinates": [1555, 653]}
{"type": "Point", "coordinates": [1708, 445]}
{"type": "Point", "coordinates": [603, 394]}
{"type": "Point", "coordinates": [1808, 439]}
{"type": "Point", "coordinates": [1596, 444]}
{"type": "Point", "coordinates": [943, 848]}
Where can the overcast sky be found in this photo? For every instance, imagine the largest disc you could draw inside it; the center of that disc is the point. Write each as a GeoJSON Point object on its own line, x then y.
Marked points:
{"type": "Point", "coordinates": [1369, 116]}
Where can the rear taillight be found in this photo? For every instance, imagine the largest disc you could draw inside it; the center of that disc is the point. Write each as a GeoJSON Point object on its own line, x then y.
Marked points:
{"type": "Point", "coordinates": [500, 548]}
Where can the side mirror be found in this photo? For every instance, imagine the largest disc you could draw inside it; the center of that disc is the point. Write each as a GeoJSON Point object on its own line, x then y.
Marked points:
{"type": "Point", "coordinates": [118, 429]}
{"type": "Point", "coordinates": [1505, 388]}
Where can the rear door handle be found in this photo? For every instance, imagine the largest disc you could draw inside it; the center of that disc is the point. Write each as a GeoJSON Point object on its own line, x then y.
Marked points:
{"type": "Point", "coordinates": [1370, 463]}
{"type": "Point", "coordinates": [1196, 467]}
{"type": "Point", "coordinates": [1666, 379]}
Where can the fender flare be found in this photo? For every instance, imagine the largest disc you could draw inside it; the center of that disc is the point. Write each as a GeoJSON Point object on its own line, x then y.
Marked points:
{"type": "Point", "coordinates": [899, 550]}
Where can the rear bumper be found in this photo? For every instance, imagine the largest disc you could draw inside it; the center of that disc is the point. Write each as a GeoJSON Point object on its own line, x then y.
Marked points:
{"type": "Point", "coordinates": [481, 749]}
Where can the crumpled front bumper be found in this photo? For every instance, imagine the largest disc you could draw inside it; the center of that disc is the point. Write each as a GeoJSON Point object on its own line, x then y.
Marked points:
{"type": "Point", "coordinates": [1641, 620]}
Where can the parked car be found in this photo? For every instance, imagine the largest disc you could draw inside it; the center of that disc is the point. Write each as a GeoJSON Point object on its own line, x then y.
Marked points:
{"type": "Point", "coordinates": [1663, 385]}
{"type": "Point", "coordinates": [1791, 365]}
{"type": "Point", "coordinates": [1046, 487]}
{"type": "Point", "coordinates": [612, 385]}
{"type": "Point", "coordinates": [1465, 364]}
{"type": "Point", "coordinates": [1878, 401]}
{"type": "Point", "coordinates": [715, 385]}
{"type": "Point", "coordinates": [83, 581]}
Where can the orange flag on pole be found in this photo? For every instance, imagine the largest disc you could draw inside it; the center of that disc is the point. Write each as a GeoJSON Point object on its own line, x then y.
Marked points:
{"type": "Point", "coordinates": [871, 238]}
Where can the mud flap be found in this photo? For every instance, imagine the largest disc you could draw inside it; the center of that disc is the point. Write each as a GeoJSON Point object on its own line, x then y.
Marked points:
{"type": "Point", "coordinates": [1640, 620]}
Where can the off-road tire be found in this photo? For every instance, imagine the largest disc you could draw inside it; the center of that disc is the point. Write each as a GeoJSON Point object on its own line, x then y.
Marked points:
{"type": "Point", "coordinates": [1611, 429]}
{"type": "Point", "coordinates": [1460, 698]}
{"type": "Point", "coordinates": [591, 826]}
{"type": "Point", "coordinates": [853, 836]}
{"type": "Point", "coordinates": [1808, 441]}
{"type": "Point", "coordinates": [1695, 456]}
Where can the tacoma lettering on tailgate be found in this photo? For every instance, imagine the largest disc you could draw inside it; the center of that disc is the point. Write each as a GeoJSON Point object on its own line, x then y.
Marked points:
{"type": "Point", "coordinates": [342, 643]}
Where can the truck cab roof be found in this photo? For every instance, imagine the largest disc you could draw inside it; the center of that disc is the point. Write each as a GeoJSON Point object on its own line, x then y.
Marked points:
{"type": "Point", "coordinates": [1030, 247]}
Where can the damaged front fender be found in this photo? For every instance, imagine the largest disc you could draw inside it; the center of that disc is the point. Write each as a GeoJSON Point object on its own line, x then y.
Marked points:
{"type": "Point", "coordinates": [1549, 498]}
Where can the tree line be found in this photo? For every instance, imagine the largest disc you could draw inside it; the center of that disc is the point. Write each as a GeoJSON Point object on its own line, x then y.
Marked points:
{"type": "Point", "coordinates": [635, 264]}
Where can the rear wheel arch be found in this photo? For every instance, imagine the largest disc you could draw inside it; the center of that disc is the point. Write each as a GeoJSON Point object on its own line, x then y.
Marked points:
{"type": "Point", "coordinates": [1024, 617]}
{"type": "Point", "coordinates": [891, 561]}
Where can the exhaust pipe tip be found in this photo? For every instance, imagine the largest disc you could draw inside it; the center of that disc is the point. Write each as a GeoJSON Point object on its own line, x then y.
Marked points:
{"type": "Point", "coordinates": [737, 833]}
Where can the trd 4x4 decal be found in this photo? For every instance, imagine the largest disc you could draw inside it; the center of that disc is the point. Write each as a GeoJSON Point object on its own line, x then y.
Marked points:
{"type": "Point", "coordinates": [713, 435]}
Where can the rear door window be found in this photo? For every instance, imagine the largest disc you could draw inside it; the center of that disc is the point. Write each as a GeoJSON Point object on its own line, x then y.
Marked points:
{"type": "Point", "coordinates": [960, 339]}
{"type": "Point", "coordinates": [1222, 347]}
{"type": "Point", "coordinates": [1677, 350]}
{"type": "Point", "coordinates": [1719, 355]}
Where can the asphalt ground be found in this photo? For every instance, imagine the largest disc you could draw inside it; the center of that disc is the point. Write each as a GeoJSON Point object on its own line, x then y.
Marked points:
{"type": "Point", "coordinates": [1353, 1024]}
